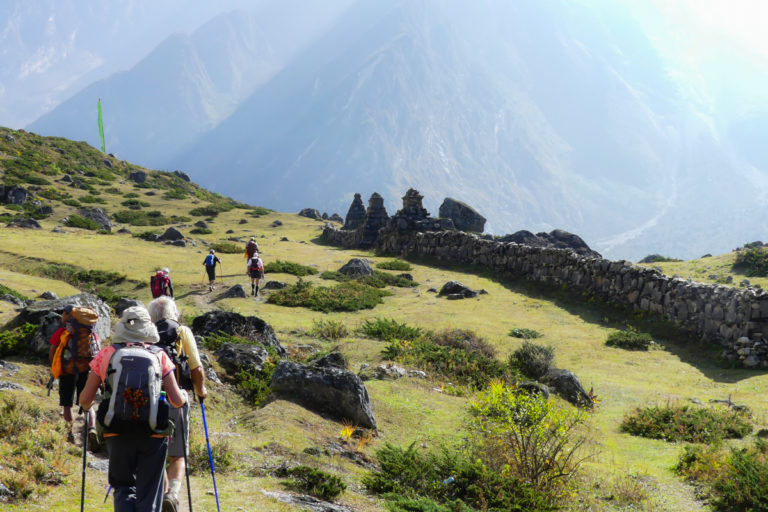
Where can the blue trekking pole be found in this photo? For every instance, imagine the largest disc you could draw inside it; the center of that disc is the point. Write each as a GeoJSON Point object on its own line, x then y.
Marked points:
{"type": "Point", "coordinates": [210, 457]}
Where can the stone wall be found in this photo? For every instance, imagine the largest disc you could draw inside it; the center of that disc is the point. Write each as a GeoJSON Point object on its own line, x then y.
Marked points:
{"type": "Point", "coordinates": [734, 318]}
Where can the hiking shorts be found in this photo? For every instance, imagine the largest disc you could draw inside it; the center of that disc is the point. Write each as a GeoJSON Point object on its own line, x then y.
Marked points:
{"type": "Point", "coordinates": [180, 417]}
{"type": "Point", "coordinates": [211, 272]}
{"type": "Point", "coordinates": [67, 387]}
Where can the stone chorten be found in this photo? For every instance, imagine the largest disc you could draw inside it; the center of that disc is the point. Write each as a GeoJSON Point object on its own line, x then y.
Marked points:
{"type": "Point", "coordinates": [376, 217]}
{"type": "Point", "coordinates": [356, 213]}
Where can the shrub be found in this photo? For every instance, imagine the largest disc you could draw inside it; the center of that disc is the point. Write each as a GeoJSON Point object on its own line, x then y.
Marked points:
{"type": "Point", "coordinates": [93, 199]}
{"type": "Point", "coordinates": [657, 258]}
{"type": "Point", "coordinates": [221, 451]}
{"type": "Point", "coordinates": [532, 360]}
{"type": "Point", "coordinates": [76, 221]}
{"type": "Point", "coordinates": [388, 329]}
{"type": "Point", "coordinates": [315, 482]}
{"type": "Point", "coordinates": [343, 297]}
{"type": "Point", "coordinates": [131, 195]}
{"type": "Point", "coordinates": [72, 202]}
{"type": "Point", "coordinates": [227, 248]}
{"type": "Point", "coordinates": [135, 204]}
{"type": "Point", "coordinates": [174, 194]}
{"type": "Point", "coordinates": [112, 190]}
{"type": "Point", "coordinates": [328, 329]}
{"type": "Point", "coordinates": [690, 423]}
{"type": "Point", "coordinates": [80, 277]}
{"type": "Point", "coordinates": [630, 340]}
{"type": "Point", "coordinates": [139, 218]}
{"type": "Point", "coordinates": [524, 333]}
{"type": "Point", "coordinates": [394, 265]}
{"type": "Point", "coordinates": [14, 341]}
{"type": "Point", "coordinates": [256, 385]}
{"type": "Point", "coordinates": [200, 231]}
{"type": "Point", "coordinates": [204, 211]}
{"type": "Point", "coordinates": [289, 267]}
{"type": "Point", "coordinates": [378, 279]}
{"type": "Point", "coordinates": [448, 480]}
{"type": "Point", "coordinates": [528, 436]}
{"type": "Point", "coordinates": [259, 211]}
{"type": "Point", "coordinates": [463, 339]}
{"type": "Point", "coordinates": [753, 261]}
{"type": "Point", "coordinates": [6, 290]}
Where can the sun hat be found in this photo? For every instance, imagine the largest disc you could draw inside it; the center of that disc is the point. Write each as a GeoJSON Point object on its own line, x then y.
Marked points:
{"type": "Point", "coordinates": [166, 271]}
{"type": "Point", "coordinates": [135, 326]}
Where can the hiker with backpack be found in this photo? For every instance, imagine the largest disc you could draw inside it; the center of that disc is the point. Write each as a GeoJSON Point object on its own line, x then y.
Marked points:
{"type": "Point", "coordinates": [134, 413]}
{"type": "Point", "coordinates": [210, 267]}
{"type": "Point", "coordinates": [179, 343]}
{"type": "Point", "coordinates": [73, 346]}
{"type": "Point", "coordinates": [160, 284]}
{"type": "Point", "coordinates": [251, 248]}
{"type": "Point", "coordinates": [255, 269]}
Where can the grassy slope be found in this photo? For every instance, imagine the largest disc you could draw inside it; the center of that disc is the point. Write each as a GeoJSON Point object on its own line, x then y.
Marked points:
{"type": "Point", "coordinates": [407, 410]}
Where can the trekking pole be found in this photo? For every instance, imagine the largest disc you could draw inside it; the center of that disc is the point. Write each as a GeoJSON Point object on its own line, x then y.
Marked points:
{"type": "Point", "coordinates": [186, 464]}
{"type": "Point", "coordinates": [107, 495]}
{"type": "Point", "coordinates": [85, 447]}
{"type": "Point", "coordinates": [210, 456]}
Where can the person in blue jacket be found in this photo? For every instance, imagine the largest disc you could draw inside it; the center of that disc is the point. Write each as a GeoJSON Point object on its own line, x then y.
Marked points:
{"type": "Point", "coordinates": [210, 267]}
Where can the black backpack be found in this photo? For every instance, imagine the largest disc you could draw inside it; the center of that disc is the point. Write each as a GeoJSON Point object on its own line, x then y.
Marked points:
{"type": "Point", "coordinates": [169, 340]}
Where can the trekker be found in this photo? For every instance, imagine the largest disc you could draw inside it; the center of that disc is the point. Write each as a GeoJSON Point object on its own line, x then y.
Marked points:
{"type": "Point", "coordinates": [251, 248]}
{"type": "Point", "coordinates": [133, 413]}
{"type": "Point", "coordinates": [161, 284]}
{"type": "Point", "coordinates": [210, 267]}
{"type": "Point", "coordinates": [255, 269]}
{"type": "Point", "coordinates": [179, 343]}
{"type": "Point", "coordinates": [73, 346]}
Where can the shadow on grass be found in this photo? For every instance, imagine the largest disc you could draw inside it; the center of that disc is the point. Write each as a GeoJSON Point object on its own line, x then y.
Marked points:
{"type": "Point", "coordinates": [687, 346]}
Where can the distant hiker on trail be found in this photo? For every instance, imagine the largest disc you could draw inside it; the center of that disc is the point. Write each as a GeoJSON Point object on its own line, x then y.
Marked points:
{"type": "Point", "coordinates": [72, 348]}
{"type": "Point", "coordinates": [255, 269]}
{"type": "Point", "coordinates": [210, 267]}
{"type": "Point", "coordinates": [179, 343]}
{"type": "Point", "coordinates": [251, 248]}
{"type": "Point", "coordinates": [134, 412]}
{"type": "Point", "coordinates": [160, 283]}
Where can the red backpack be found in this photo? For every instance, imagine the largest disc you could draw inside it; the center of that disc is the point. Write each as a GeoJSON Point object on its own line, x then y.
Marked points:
{"type": "Point", "coordinates": [158, 283]}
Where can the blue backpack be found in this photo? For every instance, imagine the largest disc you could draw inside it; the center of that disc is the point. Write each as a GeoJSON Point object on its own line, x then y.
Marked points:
{"type": "Point", "coordinates": [210, 260]}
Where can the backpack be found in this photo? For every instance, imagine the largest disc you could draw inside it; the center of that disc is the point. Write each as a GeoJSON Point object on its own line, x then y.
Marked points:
{"type": "Point", "coordinates": [79, 344]}
{"type": "Point", "coordinates": [251, 248]}
{"type": "Point", "coordinates": [170, 342]}
{"type": "Point", "coordinates": [158, 283]}
{"type": "Point", "coordinates": [210, 261]}
{"type": "Point", "coordinates": [132, 404]}
{"type": "Point", "coordinates": [256, 265]}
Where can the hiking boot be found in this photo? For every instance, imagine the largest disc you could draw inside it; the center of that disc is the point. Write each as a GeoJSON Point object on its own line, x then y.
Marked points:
{"type": "Point", "coordinates": [210, 287]}
{"type": "Point", "coordinates": [71, 437]}
{"type": "Point", "coordinates": [93, 440]}
{"type": "Point", "coordinates": [170, 503]}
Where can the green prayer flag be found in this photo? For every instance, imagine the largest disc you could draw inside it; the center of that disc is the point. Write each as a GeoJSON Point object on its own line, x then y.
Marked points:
{"type": "Point", "coordinates": [101, 128]}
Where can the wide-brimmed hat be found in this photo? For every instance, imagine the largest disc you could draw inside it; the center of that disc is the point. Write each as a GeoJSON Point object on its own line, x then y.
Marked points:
{"type": "Point", "coordinates": [135, 327]}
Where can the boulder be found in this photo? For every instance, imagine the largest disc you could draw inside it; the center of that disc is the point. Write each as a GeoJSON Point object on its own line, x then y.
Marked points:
{"type": "Point", "coordinates": [138, 176]}
{"type": "Point", "coordinates": [66, 179]}
{"type": "Point", "coordinates": [235, 357]}
{"type": "Point", "coordinates": [171, 234]}
{"type": "Point", "coordinates": [382, 372]}
{"type": "Point", "coordinates": [126, 303]}
{"type": "Point", "coordinates": [376, 217]}
{"type": "Point", "coordinates": [7, 297]}
{"type": "Point", "coordinates": [182, 175]}
{"type": "Point", "coordinates": [243, 221]}
{"type": "Point", "coordinates": [24, 223]}
{"type": "Point", "coordinates": [334, 392]}
{"type": "Point", "coordinates": [560, 239]}
{"type": "Point", "coordinates": [310, 213]}
{"type": "Point", "coordinates": [176, 243]}
{"type": "Point", "coordinates": [48, 295]}
{"type": "Point", "coordinates": [276, 223]}
{"type": "Point", "coordinates": [463, 216]}
{"type": "Point", "coordinates": [44, 210]}
{"type": "Point", "coordinates": [356, 268]}
{"type": "Point", "coordinates": [567, 385]}
{"type": "Point", "coordinates": [201, 224]}
{"type": "Point", "coordinates": [336, 218]}
{"type": "Point", "coordinates": [332, 360]}
{"type": "Point", "coordinates": [456, 290]}
{"type": "Point", "coordinates": [249, 327]}
{"type": "Point", "coordinates": [532, 387]}
{"type": "Point", "coordinates": [324, 216]}
{"type": "Point", "coordinates": [124, 231]}
{"type": "Point", "coordinates": [13, 195]}
{"type": "Point", "coordinates": [274, 285]}
{"type": "Point", "coordinates": [97, 215]}
{"type": "Point", "coordinates": [355, 214]}
{"type": "Point", "coordinates": [235, 292]}
{"type": "Point", "coordinates": [46, 314]}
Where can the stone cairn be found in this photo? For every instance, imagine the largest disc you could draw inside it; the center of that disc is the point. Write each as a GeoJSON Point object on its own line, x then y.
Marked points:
{"type": "Point", "coordinates": [356, 213]}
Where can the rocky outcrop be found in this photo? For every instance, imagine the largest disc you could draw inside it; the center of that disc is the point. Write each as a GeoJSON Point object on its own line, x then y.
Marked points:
{"type": "Point", "coordinates": [310, 213]}
{"type": "Point", "coordinates": [171, 234]}
{"type": "Point", "coordinates": [46, 315]}
{"type": "Point", "coordinates": [13, 195]}
{"type": "Point", "coordinates": [237, 357]}
{"type": "Point", "coordinates": [464, 217]}
{"type": "Point", "coordinates": [356, 268]}
{"type": "Point", "coordinates": [567, 385]}
{"type": "Point", "coordinates": [97, 215]}
{"type": "Point", "coordinates": [182, 175]}
{"type": "Point", "coordinates": [329, 391]}
{"type": "Point", "coordinates": [336, 218]}
{"type": "Point", "coordinates": [138, 176]}
{"type": "Point", "coordinates": [25, 224]}
{"type": "Point", "coordinates": [235, 292]}
{"type": "Point", "coordinates": [557, 239]}
{"type": "Point", "coordinates": [355, 214]}
{"type": "Point", "coordinates": [248, 327]}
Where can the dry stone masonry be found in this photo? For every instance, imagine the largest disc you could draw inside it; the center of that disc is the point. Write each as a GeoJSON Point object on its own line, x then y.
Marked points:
{"type": "Point", "coordinates": [734, 318]}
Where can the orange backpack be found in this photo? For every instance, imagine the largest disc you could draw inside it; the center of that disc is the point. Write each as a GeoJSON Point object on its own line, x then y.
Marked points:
{"type": "Point", "coordinates": [78, 344]}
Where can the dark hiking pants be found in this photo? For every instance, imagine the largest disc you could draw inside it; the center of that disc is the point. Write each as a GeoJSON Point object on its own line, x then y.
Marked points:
{"type": "Point", "coordinates": [136, 469]}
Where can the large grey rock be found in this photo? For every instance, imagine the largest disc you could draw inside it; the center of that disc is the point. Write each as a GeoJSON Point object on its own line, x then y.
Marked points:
{"type": "Point", "coordinates": [13, 195]}
{"type": "Point", "coordinates": [171, 234]}
{"type": "Point", "coordinates": [329, 391]}
{"type": "Point", "coordinates": [567, 385]}
{"type": "Point", "coordinates": [464, 217]}
{"type": "Point", "coordinates": [310, 213]}
{"type": "Point", "coordinates": [249, 327]}
{"type": "Point", "coordinates": [235, 292]}
{"type": "Point", "coordinates": [138, 176]}
{"type": "Point", "coordinates": [356, 268]}
{"type": "Point", "coordinates": [456, 290]}
{"type": "Point", "coordinates": [275, 285]}
{"type": "Point", "coordinates": [49, 295]}
{"type": "Point", "coordinates": [336, 218]}
{"type": "Point", "coordinates": [7, 297]}
{"type": "Point", "coordinates": [97, 215]}
{"type": "Point", "coordinates": [126, 303]}
{"type": "Point", "coordinates": [182, 175]}
{"type": "Point", "coordinates": [24, 223]}
{"type": "Point", "coordinates": [332, 360]}
{"type": "Point", "coordinates": [46, 314]}
{"type": "Point", "coordinates": [235, 357]}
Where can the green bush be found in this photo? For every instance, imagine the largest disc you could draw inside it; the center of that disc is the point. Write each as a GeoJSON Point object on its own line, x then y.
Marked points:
{"type": "Point", "coordinates": [388, 329]}
{"type": "Point", "coordinates": [135, 204]}
{"type": "Point", "coordinates": [140, 218]}
{"type": "Point", "coordinates": [449, 480]}
{"type": "Point", "coordinates": [328, 329]}
{"type": "Point", "coordinates": [256, 385]}
{"type": "Point", "coordinates": [131, 195]}
{"type": "Point", "coordinates": [113, 190]}
{"type": "Point", "coordinates": [72, 202]}
{"type": "Point", "coordinates": [378, 279]}
{"type": "Point", "coordinates": [316, 482]}
{"type": "Point", "coordinates": [222, 453]}
{"type": "Point", "coordinates": [695, 424]}
{"type": "Point", "coordinates": [175, 194]}
{"type": "Point", "coordinates": [343, 297]}
{"type": "Point", "coordinates": [10, 291]}
{"type": "Point", "coordinates": [464, 339]}
{"type": "Point", "coordinates": [14, 341]}
{"type": "Point", "coordinates": [205, 211]}
{"type": "Point", "coordinates": [630, 340]}
{"type": "Point", "coordinates": [76, 221]}
{"type": "Point", "coordinates": [80, 277]}
{"type": "Point", "coordinates": [53, 194]}
{"type": "Point", "coordinates": [228, 248]}
{"type": "Point", "coordinates": [524, 333]}
{"type": "Point", "coordinates": [658, 258]}
{"type": "Point", "coordinates": [394, 265]}
{"type": "Point", "coordinates": [259, 211]}
{"type": "Point", "coordinates": [532, 360]}
{"type": "Point", "coordinates": [200, 231]}
{"type": "Point", "coordinates": [752, 261]}
{"type": "Point", "coordinates": [93, 199]}
{"type": "Point", "coordinates": [289, 267]}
